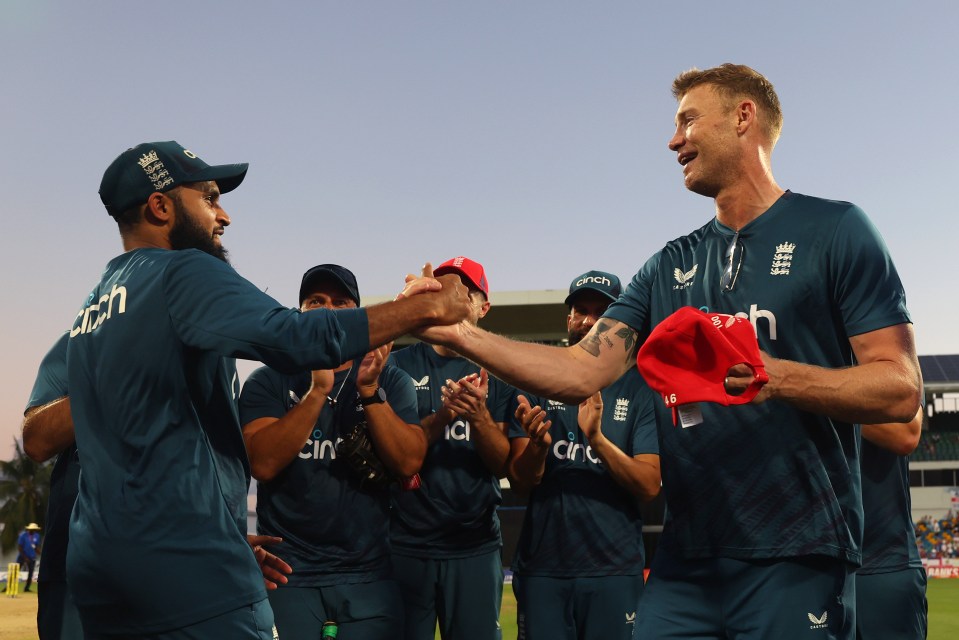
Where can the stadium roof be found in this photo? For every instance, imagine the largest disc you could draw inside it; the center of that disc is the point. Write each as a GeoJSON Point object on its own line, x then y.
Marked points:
{"type": "Point", "coordinates": [940, 373]}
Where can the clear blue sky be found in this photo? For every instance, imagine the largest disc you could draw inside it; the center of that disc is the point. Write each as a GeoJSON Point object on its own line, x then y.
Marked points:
{"type": "Point", "coordinates": [528, 135]}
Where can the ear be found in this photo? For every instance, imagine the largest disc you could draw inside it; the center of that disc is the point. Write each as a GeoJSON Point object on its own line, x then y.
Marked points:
{"type": "Point", "coordinates": [745, 116]}
{"type": "Point", "coordinates": [159, 209]}
{"type": "Point", "coordinates": [484, 309]}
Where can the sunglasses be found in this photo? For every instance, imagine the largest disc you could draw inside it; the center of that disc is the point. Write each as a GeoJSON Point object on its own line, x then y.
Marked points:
{"type": "Point", "coordinates": [734, 262]}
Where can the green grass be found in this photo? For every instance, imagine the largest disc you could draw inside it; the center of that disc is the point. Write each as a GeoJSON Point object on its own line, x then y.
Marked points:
{"type": "Point", "coordinates": [943, 596]}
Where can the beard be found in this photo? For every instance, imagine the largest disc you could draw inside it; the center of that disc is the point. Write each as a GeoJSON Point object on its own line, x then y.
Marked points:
{"type": "Point", "coordinates": [573, 337]}
{"type": "Point", "coordinates": [187, 234]}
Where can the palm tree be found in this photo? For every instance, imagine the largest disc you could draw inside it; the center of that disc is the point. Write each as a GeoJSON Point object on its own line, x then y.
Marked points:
{"type": "Point", "coordinates": [24, 492]}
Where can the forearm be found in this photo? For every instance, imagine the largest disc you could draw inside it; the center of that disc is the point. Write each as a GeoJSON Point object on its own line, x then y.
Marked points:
{"type": "Point", "coordinates": [401, 446]}
{"type": "Point", "coordinates": [897, 437]}
{"type": "Point", "coordinates": [872, 393]}
{"type": "Point", "coordinates": [492, 445]}
{"type": "Point", "coordinates": [47, 429]}
{"type": "Point", "coordinates": [434, 425]}
{"type": "Point", "coordinates": [390, 320]}
{"type": "Point", "coordinates": [638, 475]}
{"type": "Point", "coordinates": [567, 374]}
{"type": "Point", "coordinates": [526, 469]}
{"type": "Point", "coordinates": [273, 444]}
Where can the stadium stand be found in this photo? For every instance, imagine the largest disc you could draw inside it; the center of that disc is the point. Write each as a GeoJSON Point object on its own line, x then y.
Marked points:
{"type": "Point", "coordinates": [938, 538]}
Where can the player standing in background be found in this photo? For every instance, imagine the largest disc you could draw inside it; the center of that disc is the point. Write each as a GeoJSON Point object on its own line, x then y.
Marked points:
{"type": "Point", "coordinates": [764, 527]}
{"type": "Point", "coordinates": [335, 526]}
{"type": "Point", "coordinates": [157, 536]}
{"type": "Point", "coordinates": [48, 432]}
{"type": "Point", "coordinates": [446, 535]}
{"type": "Point", "coordinates": [891, 583]}
{"type": "Point", "coordinates": [28, 547]}
{"type": "Point", "coordinates": [578, 570]}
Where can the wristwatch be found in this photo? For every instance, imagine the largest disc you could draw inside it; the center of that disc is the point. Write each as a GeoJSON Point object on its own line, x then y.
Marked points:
{"type": "Point", "coordinates": [378, 397]}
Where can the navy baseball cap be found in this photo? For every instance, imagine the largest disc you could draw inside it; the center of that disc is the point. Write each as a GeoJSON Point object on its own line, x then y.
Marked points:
{"type": "Point", "coordinates": [601, 281]}
{"type": "Point", "coordinates": [150, 167]}
{"type": "Point", "coordinates": [341, 275]}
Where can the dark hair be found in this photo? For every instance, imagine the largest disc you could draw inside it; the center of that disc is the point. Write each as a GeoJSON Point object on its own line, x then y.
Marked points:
{"type": "Point", "coordinates": [733, 81]}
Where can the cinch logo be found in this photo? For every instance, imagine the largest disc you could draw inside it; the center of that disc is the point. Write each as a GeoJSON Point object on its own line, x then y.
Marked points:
{"type": "Point", "coordinates": [90, 318]}
{"type": "Point", "coordinates": [566, 450]}
{"type": "Point", "coordinates": [818, 623]}
{"type": "Point", "coordinates": [458, 430]}
{"type": "Point", "coordinates": [596, 280]}
{"type": "Point", "coordinates": [755, 314]}
{"type": "Point", "coordinates": [319, 449]}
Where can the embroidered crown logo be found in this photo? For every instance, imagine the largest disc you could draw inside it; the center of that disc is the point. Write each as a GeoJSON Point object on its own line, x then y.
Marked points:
{"type": "Point", "coordinates": [786, 247]}
{"type": "Point", "coordinates": [783, 259]}
{"type": "Point", "coordinates": [147, 159]}
{"type": "Point", "coordinates": [622, 406]}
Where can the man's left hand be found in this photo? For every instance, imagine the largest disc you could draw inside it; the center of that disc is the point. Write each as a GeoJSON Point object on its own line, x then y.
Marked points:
{"type": "Point", "coordinates": [274, 569]}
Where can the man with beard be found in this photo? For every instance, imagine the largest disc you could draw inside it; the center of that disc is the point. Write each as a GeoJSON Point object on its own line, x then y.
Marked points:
{"type": "Point", "coordinates": [333, 520]}
{"type": "Point", "coordinates": [157, 537]}
{"type": "Point", "coordinates": [578, 570]}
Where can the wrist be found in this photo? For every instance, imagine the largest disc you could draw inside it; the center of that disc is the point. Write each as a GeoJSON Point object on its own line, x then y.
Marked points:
{"type": "Point", "coordinates": [367, 391]}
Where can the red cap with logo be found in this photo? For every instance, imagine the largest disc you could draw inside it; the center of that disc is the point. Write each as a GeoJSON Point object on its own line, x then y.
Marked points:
{"type": "Point", "coordinates": [687, 356]}
{"type": "Point", "coordinates": [470, 270]}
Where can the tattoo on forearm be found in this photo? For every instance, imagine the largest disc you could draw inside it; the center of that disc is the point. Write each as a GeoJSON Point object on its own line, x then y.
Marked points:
{"type": "Point", "coordinates": [592, 343]}
{"type": "Point", "coordinates": [629, 341]}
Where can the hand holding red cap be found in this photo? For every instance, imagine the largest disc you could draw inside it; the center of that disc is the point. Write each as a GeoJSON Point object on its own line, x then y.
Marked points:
{"type": "Point", "coordinates": [688, 355]}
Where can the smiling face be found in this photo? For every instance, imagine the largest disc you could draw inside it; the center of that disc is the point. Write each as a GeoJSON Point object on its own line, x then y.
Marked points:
{"type": "Point", "coordinates": [706, 141]}
{"type": "Point", "coordinates": [200, 220]}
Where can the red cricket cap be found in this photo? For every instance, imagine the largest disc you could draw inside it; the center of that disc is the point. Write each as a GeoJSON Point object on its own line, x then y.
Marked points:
{"type": "Point", "coordinates": [687, 356]}
{"type": "Point", "coordinates": [470, 270]}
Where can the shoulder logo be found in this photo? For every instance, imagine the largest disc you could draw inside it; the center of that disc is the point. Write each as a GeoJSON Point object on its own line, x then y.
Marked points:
{"type": "Point", "coordinates": [295, 398]}
{"type": "Point", "coordinates": [685, 278]}
{"type": "Point", "coordinates": [622, 408]}
{"type": "Point", "coordinates": [818, 623]}
{"type": "Point", "coordinates": [783, 259]}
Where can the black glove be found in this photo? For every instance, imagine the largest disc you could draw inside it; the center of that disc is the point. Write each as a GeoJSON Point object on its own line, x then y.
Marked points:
{"type": "Point", "coordinates": [356, 450]}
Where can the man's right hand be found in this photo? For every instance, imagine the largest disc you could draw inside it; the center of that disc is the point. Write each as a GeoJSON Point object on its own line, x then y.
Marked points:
{"type": "Point", "coordinates": [452, 298]}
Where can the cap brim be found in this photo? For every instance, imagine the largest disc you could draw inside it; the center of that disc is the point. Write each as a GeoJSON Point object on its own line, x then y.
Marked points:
{"type": "Point", "coordinates": [326, 274]}
{"type": "Point", "coordinates": [442, 271]}
{"type": "Point", "coordinates": [571, 296]}
{"type": "Point", "coordinates": [227, 176]}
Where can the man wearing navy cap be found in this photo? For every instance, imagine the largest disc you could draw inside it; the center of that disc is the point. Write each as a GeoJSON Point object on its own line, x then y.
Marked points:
{"type": "Point", "coordinates": [446, 535]}
{"type": "Point", "coordinates": [157, 537]}
{"type": "Point", "coordinates": [334, 525]}
{"type": "Point", "coordinates": [578, 570]}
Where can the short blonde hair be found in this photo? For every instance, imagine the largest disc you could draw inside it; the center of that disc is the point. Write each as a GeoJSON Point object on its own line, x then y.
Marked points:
{"type": "Point", "coordinates": [733, 81]}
